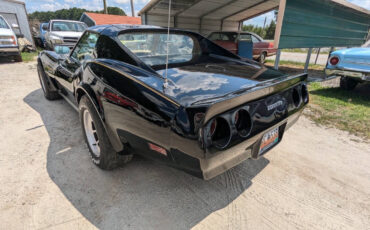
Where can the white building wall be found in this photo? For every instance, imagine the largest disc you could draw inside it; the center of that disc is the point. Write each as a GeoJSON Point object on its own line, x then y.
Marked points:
{"type": "Point", "coordinates": [13, 7]}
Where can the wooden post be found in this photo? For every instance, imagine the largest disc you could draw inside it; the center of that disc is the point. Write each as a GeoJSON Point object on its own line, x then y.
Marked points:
{"type": "Point", "coordinates": [132, 8]}
{"type": "Point", "coordinates": [317, 56]}
{"type": "Point", "coordinates": [277, 59]}
{"type": "Point", "coordinates": [308, 60]}
{"type": "Point", "coordinates": [105, 7]}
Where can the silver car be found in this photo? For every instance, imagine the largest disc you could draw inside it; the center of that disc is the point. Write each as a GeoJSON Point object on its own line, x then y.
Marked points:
{"type": "Point", "coordinates": [63, 33]}
{"type": "Point", "coordinates": [8, 41]}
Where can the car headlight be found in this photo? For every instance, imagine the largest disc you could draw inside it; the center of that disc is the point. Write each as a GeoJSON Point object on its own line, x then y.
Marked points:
{"type": "Point", "coordinates": [56, 39]}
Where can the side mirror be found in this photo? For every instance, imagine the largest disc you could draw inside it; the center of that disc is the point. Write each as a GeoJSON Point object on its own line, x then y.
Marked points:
{"type": "Point", "coordinates": [61, 50]}
{"type": "Point", "coordinates": [15, 26]}
{"type": "Point", "coordinates": [45, 27]}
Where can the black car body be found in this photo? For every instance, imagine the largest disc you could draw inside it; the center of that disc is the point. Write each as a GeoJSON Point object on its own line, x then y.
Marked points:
{"type": "Point", "coordinates": [207, 113]}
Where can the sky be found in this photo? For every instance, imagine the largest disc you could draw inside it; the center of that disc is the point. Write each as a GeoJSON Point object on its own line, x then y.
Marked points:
{"type": "Point", "coordinates": [52, 5]}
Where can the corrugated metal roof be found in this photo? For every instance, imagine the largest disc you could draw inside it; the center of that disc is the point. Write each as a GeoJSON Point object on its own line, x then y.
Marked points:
{"type": "Point", "coordinates": [234, 10]}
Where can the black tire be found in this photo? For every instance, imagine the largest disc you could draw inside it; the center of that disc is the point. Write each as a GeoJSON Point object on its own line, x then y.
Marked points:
{"type": "Point", "coordinates": [347, 83]}
{"type": "Point", "coordinates": [45, 84]}
{"type": "Point", "coordinates": [262, 58]}
{"type": "Point", "coordinates": [18, 58]}
{"type": "Point", "coordinates": [108, 158]}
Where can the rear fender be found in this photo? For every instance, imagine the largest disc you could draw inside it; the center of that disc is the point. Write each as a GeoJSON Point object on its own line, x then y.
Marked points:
{"type": "Point", "coordinates": [84, 89]}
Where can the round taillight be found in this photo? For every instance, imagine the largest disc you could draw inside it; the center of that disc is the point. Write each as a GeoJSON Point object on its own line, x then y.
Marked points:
{"type": "Point", "coordinates": [334, 60]}
{"type": "Point", "coordinates": [304, 93]}
{"type": "Point", "coordinates": [212, 129]}
{"type": "Point", "coordinates": [220, 133]}
{"type": "Point", "coordinates": [296, 98]}
{"type": "Point", "coordinates": [243, 122]}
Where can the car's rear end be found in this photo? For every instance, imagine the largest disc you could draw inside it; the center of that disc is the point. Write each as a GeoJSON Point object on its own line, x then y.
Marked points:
{"type": "Point", "coordinates": [353, 63]}
{"type": "Point", "coordinates": [250, 124]}
{"type": "Point", "coordinates": [8, 42]}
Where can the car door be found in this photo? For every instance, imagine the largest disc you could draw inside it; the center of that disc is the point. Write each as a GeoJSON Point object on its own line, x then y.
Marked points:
{"type": "Point", "coordinates": [257, 46]}
{"type": "Point", "coordinates": [69, 70]}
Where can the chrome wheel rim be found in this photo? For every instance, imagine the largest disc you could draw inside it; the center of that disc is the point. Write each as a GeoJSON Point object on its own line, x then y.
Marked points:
{"type": "Point", "coordinates": [91, 133]}
{"type": "Point", "coordinates": [263, 58]}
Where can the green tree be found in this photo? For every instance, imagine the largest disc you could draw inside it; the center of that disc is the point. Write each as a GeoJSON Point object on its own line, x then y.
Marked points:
{"type": "Point", "coordinates": [270, 30]}
{"type": "Point", "coordinates": [116, 11]}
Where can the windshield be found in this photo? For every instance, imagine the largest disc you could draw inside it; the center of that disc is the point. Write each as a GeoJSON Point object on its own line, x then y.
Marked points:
{"type": "Point", "coordinates": [68, 26]}
{"type": "Point", "coordinates": [151, 47]}
{"type": "Point", "coordinates": [3, 24]}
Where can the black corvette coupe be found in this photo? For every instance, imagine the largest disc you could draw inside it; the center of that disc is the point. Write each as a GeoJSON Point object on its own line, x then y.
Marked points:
{"type": "Point", "coordinates": [177, 98]}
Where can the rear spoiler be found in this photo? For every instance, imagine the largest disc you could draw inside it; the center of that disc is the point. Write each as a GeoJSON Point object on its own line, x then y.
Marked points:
{"type": "Point", "coordinates": [259, 91]}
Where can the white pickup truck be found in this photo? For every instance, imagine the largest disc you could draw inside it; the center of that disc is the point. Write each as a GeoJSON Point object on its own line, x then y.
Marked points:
{"type": "Point", "coordinates": [63, 33]}
{"type": "Point", "coordinates": [8, 41]}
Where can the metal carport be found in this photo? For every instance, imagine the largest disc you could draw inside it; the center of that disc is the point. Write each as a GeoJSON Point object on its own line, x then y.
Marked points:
{"type": "Point", "coordinates": [205, 16]}
{"type": "Point", "coordinates": [301, 23]}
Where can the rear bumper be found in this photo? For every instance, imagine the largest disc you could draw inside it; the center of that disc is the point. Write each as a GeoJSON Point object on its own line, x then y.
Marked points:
{"type": "Point", "coordinates": [9, 51]}
{"type": "Point", "coordinates": [348, 73]}
{"type": "Point", "coordinates": [235, 155]}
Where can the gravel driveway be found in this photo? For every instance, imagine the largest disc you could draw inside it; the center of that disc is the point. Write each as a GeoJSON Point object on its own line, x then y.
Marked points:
{"type": "Point", "coordinates": [317, 178]}
{"type": "Point", "coordinates": [301, 57]}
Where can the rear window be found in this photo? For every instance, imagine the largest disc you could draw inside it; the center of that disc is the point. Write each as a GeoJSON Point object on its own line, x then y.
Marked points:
{"type": "Point", "coordinates": [3, 24]}
{"type": "Point", "coordinates": [223, 37]}
{"type": "Point", "coordinates": [151, 47]}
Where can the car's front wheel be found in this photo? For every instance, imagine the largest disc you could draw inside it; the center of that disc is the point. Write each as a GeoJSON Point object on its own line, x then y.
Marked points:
{"type": "Point", "coordinates": [347, 83]}
{"type": "Point", "coordinates": [101, 151]}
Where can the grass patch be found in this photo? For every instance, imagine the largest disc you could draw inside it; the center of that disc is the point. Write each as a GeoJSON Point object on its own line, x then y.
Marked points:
{"type": "Point", "coordinates": [346, 110]}
{"type": "Point", "coordinates": [298, 50]}
{"type": "Point", "coordinates": [27, 57]}
{"type": "Point", "coordinates": [296, 64]}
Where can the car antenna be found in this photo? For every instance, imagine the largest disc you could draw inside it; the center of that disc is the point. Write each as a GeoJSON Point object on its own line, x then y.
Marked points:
{"type": "Point", "coordinates": [165, 84]}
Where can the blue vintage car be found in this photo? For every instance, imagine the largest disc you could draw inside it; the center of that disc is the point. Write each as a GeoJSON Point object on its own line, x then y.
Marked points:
{"type": "Point", "coordinates": [353, 65]}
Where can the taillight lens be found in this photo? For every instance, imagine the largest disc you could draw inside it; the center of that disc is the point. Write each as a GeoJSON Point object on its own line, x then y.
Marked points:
{"type": "Point", "coordinates": [220, 133]}
{"type": "Point", "coordinates": [213, 127]}
{"type": "Point", "coordinates": [14, 40]}
{"type": "Point", "coordinates": [334, 60]}
{"type": "Point", "coordinates": [304, 93]}
{"type": "Point", "coordinates": [243, 122]}
{"type": "Point", "coordinates": [271, 45]}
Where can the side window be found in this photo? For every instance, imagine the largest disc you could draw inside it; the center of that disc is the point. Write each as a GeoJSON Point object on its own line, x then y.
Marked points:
{"type": "Point", "coordinates": [245, 37]}
{"type": "Point", "coordinates": [214, 36]}
{"type": "Point", "coordinates": [254, 39]}
{"type": "Point", "coordinates": [85, 49]}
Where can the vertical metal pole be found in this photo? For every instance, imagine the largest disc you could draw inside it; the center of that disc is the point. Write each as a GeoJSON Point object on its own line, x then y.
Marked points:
{"type": "Point", "coordinates": [132, 8]}
{"type": "Point", "coordinates": [317, 56]}
{"type": "Point", "coordinates": [308, 60]}
{"type": "Point", "coordinates": [105, 7]}
{"type": "Point", "coordinates": [277, 59]}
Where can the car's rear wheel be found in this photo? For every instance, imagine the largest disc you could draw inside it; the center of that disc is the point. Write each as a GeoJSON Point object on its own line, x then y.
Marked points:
{"type": "Point", "coordinates": [48, 92]}
{"type": "Point", "coordinates": [262, 58]}
{"type": "Point", "coordinates": [347, 83]}
{"type": "Point", "coordinates": [101, 151]}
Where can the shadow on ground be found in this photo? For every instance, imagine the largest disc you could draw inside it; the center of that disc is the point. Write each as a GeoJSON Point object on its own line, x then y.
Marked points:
{"type": "Point", "coordinates": [141, 195]}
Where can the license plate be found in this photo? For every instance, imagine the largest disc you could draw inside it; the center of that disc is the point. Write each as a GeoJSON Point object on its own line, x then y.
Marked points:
{"type": "Point", "coordinates": [269, 139]}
